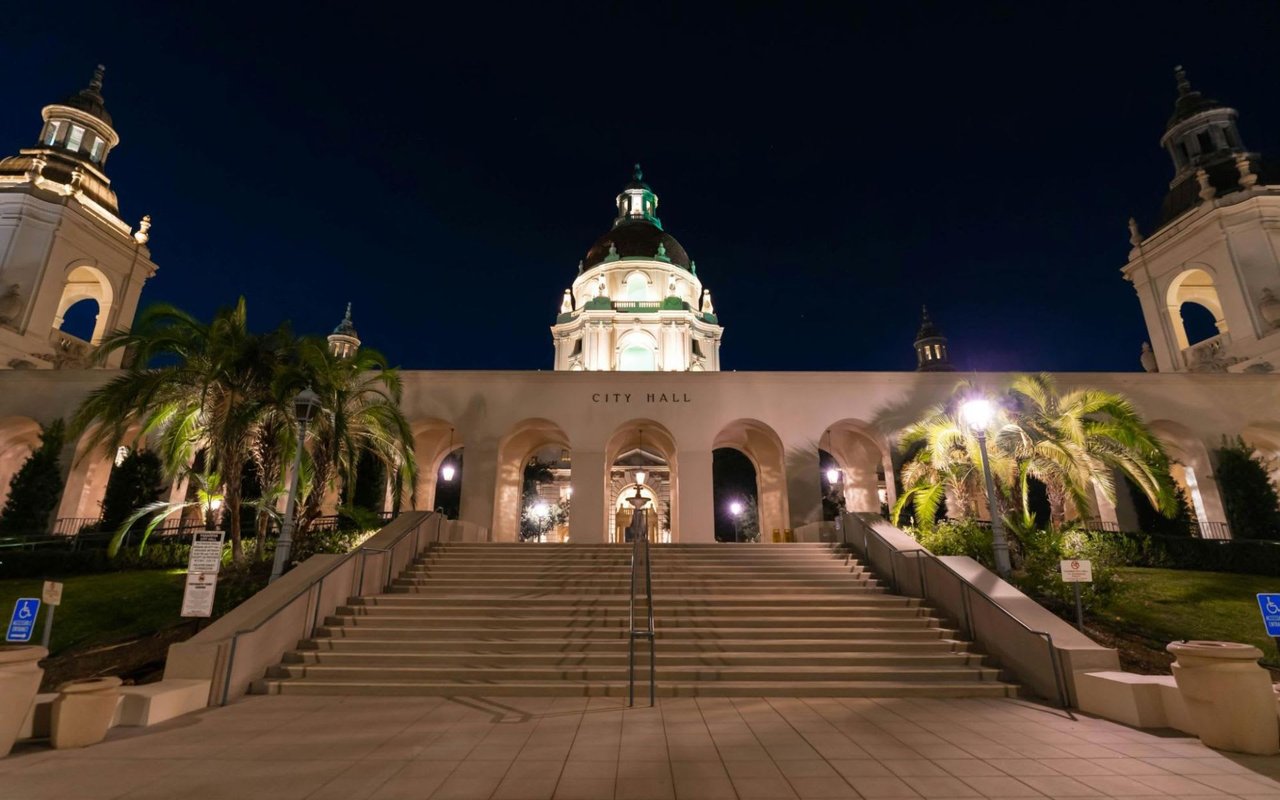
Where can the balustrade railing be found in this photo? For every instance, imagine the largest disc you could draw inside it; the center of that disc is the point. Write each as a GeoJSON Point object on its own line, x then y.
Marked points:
{"type": "Point", "coordinates": [637, 305]}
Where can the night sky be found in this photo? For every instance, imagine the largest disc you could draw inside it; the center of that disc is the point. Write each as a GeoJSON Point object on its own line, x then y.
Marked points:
{"type": "Point", "coordinates": [830, 167]}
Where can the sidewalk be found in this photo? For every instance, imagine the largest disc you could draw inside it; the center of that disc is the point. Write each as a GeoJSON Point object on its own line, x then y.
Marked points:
{"type": "Point", "coordinates": [336, 748]}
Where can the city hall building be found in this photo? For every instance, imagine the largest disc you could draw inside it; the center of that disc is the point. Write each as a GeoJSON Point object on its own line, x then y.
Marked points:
{"type": "Point", "coordinates": [636, 350]}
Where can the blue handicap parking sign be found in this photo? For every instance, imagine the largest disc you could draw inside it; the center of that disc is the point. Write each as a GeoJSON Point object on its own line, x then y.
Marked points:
{"type": "Point", "coordinates": [23, 622]}
{"type": "Point", "coordinates": [1270, 606]}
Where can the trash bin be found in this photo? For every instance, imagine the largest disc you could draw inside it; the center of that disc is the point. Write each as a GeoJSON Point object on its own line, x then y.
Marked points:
{"type": "Point", "coordinates": [20, 675]}
{"type": "Point", "coordinates": [1228, 695]}
{"type": "Point", "coordinates": [83, 711]}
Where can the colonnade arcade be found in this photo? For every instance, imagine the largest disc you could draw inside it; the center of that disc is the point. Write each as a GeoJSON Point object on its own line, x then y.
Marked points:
{"type": "Point", "coordinates": [592, 479]}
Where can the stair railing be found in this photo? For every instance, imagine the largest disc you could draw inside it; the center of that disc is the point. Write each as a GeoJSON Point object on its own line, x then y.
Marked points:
{"type": "Point", "coordinates": [640, 552]}
{"type": "Point", "coordinates": [922, 560]}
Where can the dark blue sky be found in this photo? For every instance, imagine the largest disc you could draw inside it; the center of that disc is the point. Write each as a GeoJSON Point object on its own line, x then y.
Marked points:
{"type": "Point", "coordinates": [830, 167]}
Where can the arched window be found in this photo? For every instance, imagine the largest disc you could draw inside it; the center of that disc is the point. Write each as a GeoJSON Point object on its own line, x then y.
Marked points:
{"type": "Point", "coordinates": [85, 283]}
{"type": "Point", "coordinates": [637, 286]}
{"type": "Point", "coordinates": [1194, 286]}
{"type": "Point", "coordinates": [636, 358]}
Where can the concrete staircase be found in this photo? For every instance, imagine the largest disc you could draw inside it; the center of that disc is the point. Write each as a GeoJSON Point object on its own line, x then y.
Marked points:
{"type": "Point", "coordinates": [731, 619]}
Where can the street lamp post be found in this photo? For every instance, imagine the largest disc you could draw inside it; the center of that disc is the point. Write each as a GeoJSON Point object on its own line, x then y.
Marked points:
{"type": "Point", "coordinates": [977, 414]}
{"type": "Point", "coordinates": [735, 508]}
{"type": "Point", "coordinates": [305, 406]}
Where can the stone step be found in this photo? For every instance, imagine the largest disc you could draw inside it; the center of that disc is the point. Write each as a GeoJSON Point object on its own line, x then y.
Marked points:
{"type": "Point", "coordinates": [795, 674]}
{"type": "Point", "coordinates": [731, 620]}
{"type": "Point", "coordinates": [488, 570]}
{"type": "Point", "coordinates": [664, 688]}
{"type": "Point", "coordinates": [477, 601]}
{"type": "Point", "coordinates": [759, 585]}
{"type": "Point", "coordinates": [618, 657]}
{"type": "Point", "coordinates": [666, 621]}
{"type": "Point", "coordinates": [621, 611]}
{"type": "Point", "coordinates": [480, 644]}
{"type": "Point", "coordinates": [445, 633]}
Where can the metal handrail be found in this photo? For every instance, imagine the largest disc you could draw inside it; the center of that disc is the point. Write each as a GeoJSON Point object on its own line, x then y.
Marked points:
{"type": "Point", "coordinates": [316, 586]}
{"type": "Point", "coordinates": [639, 544]}
{"type": "Point", "coordinates": [967, 589]}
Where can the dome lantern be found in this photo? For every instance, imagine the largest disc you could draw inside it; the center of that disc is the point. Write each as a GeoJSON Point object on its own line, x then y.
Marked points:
{"type": "Point", "coordinates": [932, 354]}
{"type": "Point", "coordinates": [638, 202]}
{"type": "Point", "coordinates": [81, 126]}
{"type": "Point", "coordinates": [344, 341]}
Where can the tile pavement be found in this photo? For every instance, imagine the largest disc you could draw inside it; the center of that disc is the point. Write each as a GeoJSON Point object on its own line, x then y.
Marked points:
{"type": "Point", "coordinates": [368, 748]}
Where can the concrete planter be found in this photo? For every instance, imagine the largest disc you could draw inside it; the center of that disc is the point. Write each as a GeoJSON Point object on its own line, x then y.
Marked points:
{"type": "Point", "coordinates": [20, 675]}
{"type": "Point", "coordinates": [83, 712]}
{"type": "Point", "coordinates": [1228, 696]}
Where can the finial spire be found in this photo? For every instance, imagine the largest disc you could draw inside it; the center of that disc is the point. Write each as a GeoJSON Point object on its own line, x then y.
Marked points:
{"type": "Point", "coordinates": [924, 313]}
{"type": "Point", "coordinates": [638, 174]}
{"type": "Point", "coordinates": [96, 82]}
{"type": "Point", "coordinates": [348, 316]}
{"type": "Point", "coordinates": [1184, 85]}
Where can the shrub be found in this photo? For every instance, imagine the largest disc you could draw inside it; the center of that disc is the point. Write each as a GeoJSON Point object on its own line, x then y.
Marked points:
{"type": "Point", "coordinates": [1039, 574]}
{"type": "Point", "coordinates": [37, 487]}
{"type": "Point", "coordinates": [958, 538]}
{"type": "Point", "coordinates": [1252, 506]}
{"type": "Point", "coordinates": [136, 482]}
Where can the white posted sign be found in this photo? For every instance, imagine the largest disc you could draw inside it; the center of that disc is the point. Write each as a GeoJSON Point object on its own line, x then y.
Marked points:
{"type": "Point", "coordinates": [197, 600]}
{"type": "Point", "coordinates": [206, 552]}
{"type": "Point", "coordinates": [52, 594]}
{"type": "Point", "coordinates": [1077, 570]}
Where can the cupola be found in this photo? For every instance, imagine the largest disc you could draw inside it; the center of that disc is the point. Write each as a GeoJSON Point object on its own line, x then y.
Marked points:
{"type": "Point", "coordinates": [80, 126]}
{"type": "Point", "coordinates": [931, 346]}
{"type": "Point", "coordinates": [344, 342]}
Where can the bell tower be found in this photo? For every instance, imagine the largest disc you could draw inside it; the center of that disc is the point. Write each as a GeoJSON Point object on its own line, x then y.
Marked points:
{"type": "Point", "coordinates": [63, 241]}
{"type": "Point", "coordinates": [1208, 275]}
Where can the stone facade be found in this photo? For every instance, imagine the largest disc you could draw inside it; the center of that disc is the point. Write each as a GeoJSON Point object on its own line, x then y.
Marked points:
{"type": "Point", "coordinates": [62, 240]}
{"type": "Point", "coordinates": [1217, 246]}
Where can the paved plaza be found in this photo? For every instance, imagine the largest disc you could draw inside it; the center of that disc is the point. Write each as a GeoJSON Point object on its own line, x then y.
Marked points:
{"type": "Point", "coordinates": [343, 748]}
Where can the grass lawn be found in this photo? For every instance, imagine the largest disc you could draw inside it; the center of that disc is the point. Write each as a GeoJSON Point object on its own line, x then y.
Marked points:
{"type": "Point", "coordinates": [1172, 604]}
{"type": "Point", "coordinates": [105, 607]}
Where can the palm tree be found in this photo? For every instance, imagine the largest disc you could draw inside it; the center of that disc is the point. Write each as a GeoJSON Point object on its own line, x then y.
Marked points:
{"type": "Point", "coordinates": [1073, 442]}
{"type": "Point", "coordinates": [946, 464]}
{"type": "Point", "coordinates": [360, 414]}
{"type": "Point", "coordinates": [210, 392]}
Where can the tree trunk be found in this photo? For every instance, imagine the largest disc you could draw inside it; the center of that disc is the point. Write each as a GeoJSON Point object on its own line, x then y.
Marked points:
{"type": "Point", "coordinates": [1057, 503]}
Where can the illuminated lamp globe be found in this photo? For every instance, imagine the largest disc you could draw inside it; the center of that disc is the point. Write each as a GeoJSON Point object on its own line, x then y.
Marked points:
{"type": "Point", "coordinates": [833, 475]}
{"type": "Point", "coordinates": [735, 508]}
{"type": "Point", "coordinates": [541, 510]}
{"type": "Point", "coordinates": [640, 476]}
{"type": "Point", "coordinates": [447, 472]}
{"type": "Point", "coordinates": [306, 405]}
{"type": "Point", "coordinates": [977, 413]}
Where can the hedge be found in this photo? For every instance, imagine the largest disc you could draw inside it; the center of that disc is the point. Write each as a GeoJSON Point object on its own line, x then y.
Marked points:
{"type": "Point", "coordinates": [1244, 556]}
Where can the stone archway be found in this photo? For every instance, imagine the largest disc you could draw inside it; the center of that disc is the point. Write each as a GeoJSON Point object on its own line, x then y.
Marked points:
{"type": "Point", "coordinates": [656, 445]}
{"type": "Point", "coordinates": [19, 437]}
{"type": "Point", "coordinates": [1193, 285]}
{"type": "Point", "coordinates": [514, 451]}
{"type": "Point", "coordinates": [762, 445]}
{"type": "Point", "coordinates": [83, 283]}
{"type": "Point", "coordinates": [862, 454]}
{"type": "Point", "coordinates": [1192, 469]}
{"type": "Point", "coordinates": [434, 440]}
